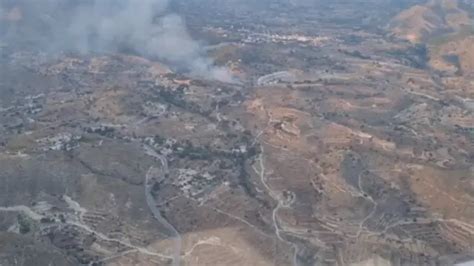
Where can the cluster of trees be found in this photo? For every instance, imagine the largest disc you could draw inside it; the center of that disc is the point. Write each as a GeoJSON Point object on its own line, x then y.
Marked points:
{"type": "Point", "coordinates": [416, 56]}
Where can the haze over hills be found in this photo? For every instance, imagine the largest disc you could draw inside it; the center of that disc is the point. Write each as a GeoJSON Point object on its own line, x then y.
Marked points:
{"type": "Point", "coordinates": [446, 28]}
{"type": "Point", "coordinates": [236, 132]}
{"type": "Point", "coordinates": [436, 17]}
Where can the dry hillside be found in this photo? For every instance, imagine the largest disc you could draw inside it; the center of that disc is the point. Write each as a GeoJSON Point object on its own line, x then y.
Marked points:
{"type": "Point", "coordinates": [421, 22]}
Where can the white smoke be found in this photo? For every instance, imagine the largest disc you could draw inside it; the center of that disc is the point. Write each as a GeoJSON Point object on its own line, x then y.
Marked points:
{"type": "Point", "coordinates": [142, 26]}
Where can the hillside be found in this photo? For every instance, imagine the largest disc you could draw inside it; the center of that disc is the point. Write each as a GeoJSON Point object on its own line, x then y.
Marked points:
{"type": "Point", "coordinates": [421, 22]}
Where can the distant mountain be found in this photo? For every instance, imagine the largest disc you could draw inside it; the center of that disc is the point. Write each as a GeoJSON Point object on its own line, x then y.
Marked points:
{"type": "Point", "coordinates": [446, 28]}
{"type": "Point", "coordinates": [421, 22]}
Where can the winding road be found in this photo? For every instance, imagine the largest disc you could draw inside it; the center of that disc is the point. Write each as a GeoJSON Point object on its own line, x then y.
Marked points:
{"type": "Point", "coordinates": [32, 214]}
{"type": "Point", "coordinates": [281, 203]}
{"type": "Point", "coordinates": [149, 181]}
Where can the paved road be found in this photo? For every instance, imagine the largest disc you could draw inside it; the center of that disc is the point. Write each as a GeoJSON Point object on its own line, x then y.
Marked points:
{"type": "Point", "coordinates": [150, 176]}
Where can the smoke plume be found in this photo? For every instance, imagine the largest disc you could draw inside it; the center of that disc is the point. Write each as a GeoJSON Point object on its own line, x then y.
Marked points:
{"type": "Point", "coordinates": [144, 27]}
